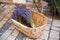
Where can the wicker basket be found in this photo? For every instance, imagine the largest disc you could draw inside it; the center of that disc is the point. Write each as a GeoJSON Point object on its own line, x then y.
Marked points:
{"type": "Point", "coordinates": [40, 22]}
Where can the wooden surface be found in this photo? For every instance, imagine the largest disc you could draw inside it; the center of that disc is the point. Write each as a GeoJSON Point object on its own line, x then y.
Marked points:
{"type": "Point", "coordinates": [28, 3]}
{"type": "Point", "coordinates": [8, 31]}
{"type": "Point", "coordinates": [10, 2]}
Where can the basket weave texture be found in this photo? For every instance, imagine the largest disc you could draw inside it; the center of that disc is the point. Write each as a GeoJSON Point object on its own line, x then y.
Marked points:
{"type": "Point", "coordinates": [40, 22]}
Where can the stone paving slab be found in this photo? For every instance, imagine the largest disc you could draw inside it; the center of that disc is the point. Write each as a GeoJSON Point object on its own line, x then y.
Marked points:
{"type": "Point", "coordinates": [54, 35]}
{"type": "Point", "coordinates": [47, 27]}
{"type": "Point", "coordinates": [44, 35]}
{"type": "Point", "coordinates": [55, 28]}
{"type": "Point", "coordinates": [56, 22]}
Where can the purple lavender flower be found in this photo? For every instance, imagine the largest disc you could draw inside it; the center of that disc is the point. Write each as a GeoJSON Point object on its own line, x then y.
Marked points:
{"type": "Point", "coordinates": [14, 15]}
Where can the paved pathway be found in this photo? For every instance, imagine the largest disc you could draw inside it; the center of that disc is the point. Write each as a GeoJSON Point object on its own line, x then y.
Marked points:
{"type": "Point", "coordinates": [8, 31]}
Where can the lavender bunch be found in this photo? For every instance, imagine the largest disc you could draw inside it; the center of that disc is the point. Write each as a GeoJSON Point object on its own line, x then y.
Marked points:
{"type": "Point", "coordinates": [23, 13]}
